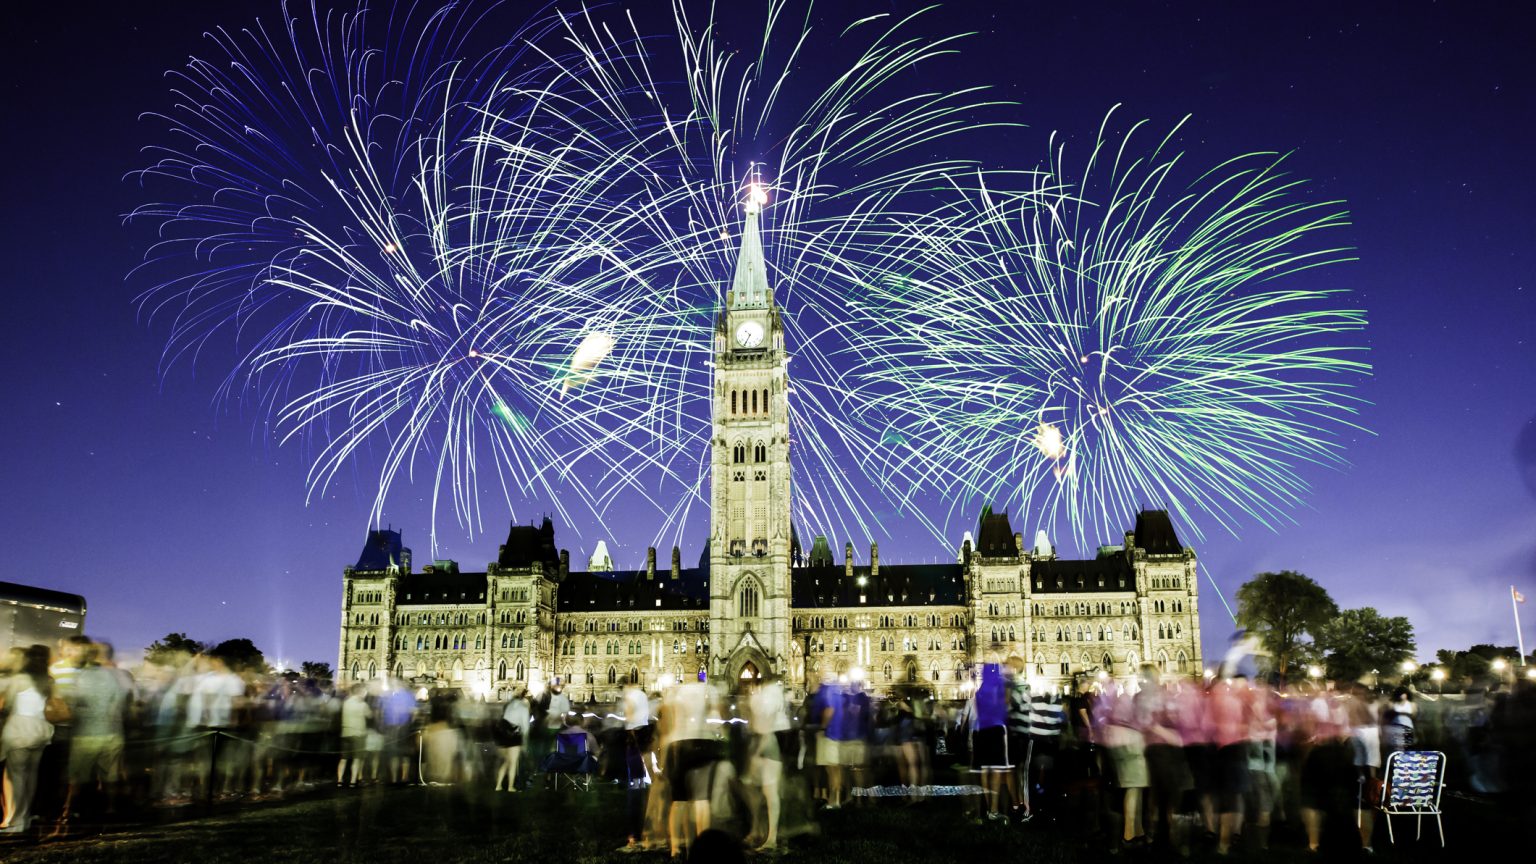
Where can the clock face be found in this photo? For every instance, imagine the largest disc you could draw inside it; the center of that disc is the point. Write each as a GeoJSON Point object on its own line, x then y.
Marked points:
{"type": "Point", "coordinates": [749, 334]}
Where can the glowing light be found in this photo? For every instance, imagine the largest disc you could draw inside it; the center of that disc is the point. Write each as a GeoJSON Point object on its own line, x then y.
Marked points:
{"type": "Point", "coordinates": [389, 248]}
{"type": "Point", "coordinates": [593, 349]}
{"type": "Point", "coordinates": [1499, 665]}
{"type": "Point", "coordinates": [1049, 441]}
{"type": "Point", "coordinates": [1409, 667]}
{"type": "Point", "coordinates": [856, 674]}
{"type": "Point", "coordinates": [1437, 675]}
{"type": "Point", "coordinates": [757, 197]}
{"type": "Point", "coordinates": [1315, 671]}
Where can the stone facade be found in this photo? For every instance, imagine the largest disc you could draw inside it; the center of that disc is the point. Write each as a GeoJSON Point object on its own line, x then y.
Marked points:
{"type": "Point", "coordinates": [768, 605]}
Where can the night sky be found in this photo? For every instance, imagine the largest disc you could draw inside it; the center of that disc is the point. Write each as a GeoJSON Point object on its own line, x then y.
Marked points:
{"type": "Point", "coordinates": [169, 512]}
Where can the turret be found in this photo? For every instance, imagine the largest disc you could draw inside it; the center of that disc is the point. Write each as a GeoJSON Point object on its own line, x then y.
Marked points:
{"type": "Point", "coordinates": [677, 562]}
{"type": "Point", "coordinates": [848, 560]}
{"type": "Point", "coordinates": [650, 563]}
{"type": "Point", "coordinates": [874, 560]}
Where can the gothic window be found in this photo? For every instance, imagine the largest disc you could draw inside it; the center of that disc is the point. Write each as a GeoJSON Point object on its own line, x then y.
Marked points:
{"type": "Point", "coordinates": [501, 671]}
{"type": "Point", "coordinates": [1011, 636]}
{"type": "Point", "coordinates": [1183, 662]}
{"type": "Point", "coordinates": [733, 401]}
{"type": "Point", "coordinates": [887, 671]}
{"type": "Point", "coordinates": [746, 600]}
{"type": "Point", "coordinates": [613, 675]}
{"type": "Point", "coordinates": [754, 401]}
{"type": "Point", "coordinates": [634, 675]}
{"type": "Point", "coordinates": [765, 400]}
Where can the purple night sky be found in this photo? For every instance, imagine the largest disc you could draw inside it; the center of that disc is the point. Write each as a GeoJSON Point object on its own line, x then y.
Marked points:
{"type": "Point", "coordinates": [170, 512]}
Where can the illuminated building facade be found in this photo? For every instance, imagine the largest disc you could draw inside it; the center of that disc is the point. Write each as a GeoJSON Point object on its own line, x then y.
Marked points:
{"type": "Point", "coordinates": [757, 603]}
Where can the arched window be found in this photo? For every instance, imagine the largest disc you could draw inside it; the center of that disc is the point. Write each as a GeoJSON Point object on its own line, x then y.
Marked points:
{"type": "Point", "coordinates": [733, 401]}
{"type": "Point", "coordinates": [887, 671]}
{"type": "Point", "coordinates": [613, 675]}
{"type": "Point", "coordinates": [1183, 662]}
{"type": "Point", "coordinates": [522, 672]}
{"type": "Point", "coordinates": [911, 673]}
{"type": "Point", "coordinates": [754, 401]}
{"type": "Point", "coordinates": [458, 670]}
{"type": "Point", "coordinates": [634, 675]}
{"type": "Point", "coordinates": [501, 671]}
{"type": "Point", "coordinates": [746, 600]}
{"type": "Point", "coordinates": [357, 671]}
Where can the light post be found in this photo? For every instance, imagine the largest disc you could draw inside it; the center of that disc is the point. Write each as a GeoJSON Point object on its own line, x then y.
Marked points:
{"type": "Point", "coordinates": [1438, 676]}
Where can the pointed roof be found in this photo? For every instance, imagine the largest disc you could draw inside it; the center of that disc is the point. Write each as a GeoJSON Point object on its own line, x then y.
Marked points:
{"type": "Point", "coordinates": [383, 550]}
{"type": "Point", "coordinates": [996, 536]}
{"type": "Point", "coordinates": [600, 560]}
{"type": "Point", "coordinates": [1154, 533]}
{"type": "Point", "coordinates": [749, 288]}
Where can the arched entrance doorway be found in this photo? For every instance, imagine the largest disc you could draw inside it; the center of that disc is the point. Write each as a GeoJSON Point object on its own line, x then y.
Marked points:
{"type": "Point", "coordinates": [748, 673]}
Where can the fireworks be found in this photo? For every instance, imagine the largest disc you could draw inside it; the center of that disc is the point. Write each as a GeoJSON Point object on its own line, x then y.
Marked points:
{"type": "Point", "coordinates": [1107, 340]}
{"type": "Point", "coordinates": [502, 271]}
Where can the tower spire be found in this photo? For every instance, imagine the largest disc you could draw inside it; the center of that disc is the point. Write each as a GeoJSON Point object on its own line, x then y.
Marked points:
{"type": "Point", "coordinates": [749, 288]}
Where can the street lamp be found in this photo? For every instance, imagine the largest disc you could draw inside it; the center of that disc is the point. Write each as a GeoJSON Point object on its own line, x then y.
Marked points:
{"type": "Point", "coordinates": [1499, 665]}
{"type": "Point", "coordinates": [1314, 672]}
{"type": "Point", "coordinates": [1409, 667]}
{"type": "Point", "coordinates": [1438, 676]}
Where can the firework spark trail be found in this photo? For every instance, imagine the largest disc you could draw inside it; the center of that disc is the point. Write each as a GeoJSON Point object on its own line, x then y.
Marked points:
{"type": "Point", "coordinates": [840, 165]}
{"type": "Point", "coordinates": [1108, 340]}
{"type": "Point", "coordinates": [325, 215]}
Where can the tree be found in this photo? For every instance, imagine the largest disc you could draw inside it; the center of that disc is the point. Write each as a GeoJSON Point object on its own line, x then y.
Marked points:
{"type": "Point", "coordinates": [1361, 640]}
{"type": "Point", "coordinates": [315, 669]}
{"type": "Point", "coordinates": [174, 647]}
{"type": "Point", "coordinates": [241, 655]}
{"type": "Point", "coordinates": [1282, 609]}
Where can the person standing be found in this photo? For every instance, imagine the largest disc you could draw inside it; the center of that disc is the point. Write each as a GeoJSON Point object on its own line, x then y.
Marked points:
{"type": "Point", "coordinates": [24, 696]}
{"type": "Point", "coordinates": [101, 703]}
{"type": "Point", "coordinates": [354, 735]}
{"type": "Point", "coordinates": [514, 729]}
{"type": "Point", "coordinates": [989, 737]}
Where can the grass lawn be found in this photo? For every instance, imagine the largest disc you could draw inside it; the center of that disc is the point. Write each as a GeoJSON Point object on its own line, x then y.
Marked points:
{"type": "Point", "coordinates": [443, 825]}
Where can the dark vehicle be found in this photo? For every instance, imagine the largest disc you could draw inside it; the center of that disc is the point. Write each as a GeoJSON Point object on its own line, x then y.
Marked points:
{"type": "Point", "coordinates": [38, 616]}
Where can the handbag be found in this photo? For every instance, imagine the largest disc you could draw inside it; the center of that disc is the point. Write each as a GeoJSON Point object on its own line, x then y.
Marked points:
{"type": "Point", "coordinates": [56, 711]}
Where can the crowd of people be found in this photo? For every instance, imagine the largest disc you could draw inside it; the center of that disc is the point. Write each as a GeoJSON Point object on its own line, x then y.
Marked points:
{"type": "Point", "coordinates": [1170, 761]}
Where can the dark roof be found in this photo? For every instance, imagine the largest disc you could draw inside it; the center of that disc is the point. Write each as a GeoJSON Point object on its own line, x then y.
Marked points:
{"type": "Point", "coordinates": [441, 587]}
{"type": "Point", "coordinates": [382, 550]}
{"type": "Point", "coordinates": [994, 537]}
{"type": "Point", "coordinates": [897, 585]}
{"type": "Point", "coordinates": [821, 553]}
{"type": "Point", "coordinates": [28, 595]}
{"type": "Point", "coordinates": [1155, 534]}
{"type": "Point", "coordinates": [624, 590]}
{"type": "Point", "coordinates": [1110, 573]}
{"type": "Point", "coordinates": [527, 544]}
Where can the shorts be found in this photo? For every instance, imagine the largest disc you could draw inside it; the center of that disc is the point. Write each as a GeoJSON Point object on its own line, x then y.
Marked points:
{"type": "Point", "coordinates": [989, 748]}
{"type": "Point", "coordinates": [1018, 748]}
{"type": "Point", "coordinates": [1202, 766]}
{"type": "Point", "coordinates": [850, 753]}
{"type": "Point", "coordinates": [1231, 777]}
{"type": "Point", "coordinates": [1130, 761]}
{"type": "Point", "coordinates": [1327, 776]}
{"type": "Point", "coordinates": [689, 764]}
{"type": "Point", "coordinates": [91, 754]}
{"type": "Point", "coordinates": [826, 750]}
{"type": "Point", "coordinates": [1168, 773]}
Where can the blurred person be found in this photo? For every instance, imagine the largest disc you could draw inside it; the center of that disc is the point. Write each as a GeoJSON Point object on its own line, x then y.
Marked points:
{"type": "Point", "coordinates": [1327, 757]}
{"type": "Point", "coordinates": [1365, 735]}
{"type": "Point", "coordinates": [1263, 779]}
{"type": "Point", "coordinates": [690, 758]}
{"type": "Point", "coordinates": [1122, 735]}
{"type": "Point", "coordinates": [102, 696]}
{"type": "Point", "coordinates": [769, 723]}
{"type": "Point", "coordinates": [513, 726]}
{"type": "Point", "coordinates": [354, 735]}
{"type": "Point", "coordinates": [54, 798]}
{"type": "Point", "coordinates": [24, 696]}
{"type": "Point", "coordinates": [1046, 721]}
{"type": "Point", "coordinates": [397, 711]}
{"type": "Point", "coordinates": [987, 713]}
{"type": "Point", "coordinates": [909, 744]}
{"type": "Point", "coordinates": [1192, 723]}
{"type": "Point", "coordinates": [1229, 708]}
{"type": "Point", "coordinates": [1397, 722]}
{"type": "Point", "coordinates": [636, 709]}
{"type": "Point", "coordinates": [216, 694]}
{"type": "Point", "coordinates": [853, 735]}
{"type": "Point", "coordinates": [829, 706]}
{"type": "Point", "coordinates": [1018, 737]}
{"type": "Point", "coordinates": [1167, 771]}
{"type": "Point", "coordinates": [442, 744]}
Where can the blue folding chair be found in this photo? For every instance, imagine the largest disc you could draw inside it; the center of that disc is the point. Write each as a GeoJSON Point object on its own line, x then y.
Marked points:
{"type": "Point", "coordinates": [1414, 780]}
{"type": "Point", "coordinates": [571, 760]}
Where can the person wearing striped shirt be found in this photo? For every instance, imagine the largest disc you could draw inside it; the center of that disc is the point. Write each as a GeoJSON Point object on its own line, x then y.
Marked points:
{"type": "Point", "coordinates": [1046, 720]}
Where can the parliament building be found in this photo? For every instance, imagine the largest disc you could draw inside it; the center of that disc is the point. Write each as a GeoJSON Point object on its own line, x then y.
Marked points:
{"type": "Point", "coordinates": [757, 603]}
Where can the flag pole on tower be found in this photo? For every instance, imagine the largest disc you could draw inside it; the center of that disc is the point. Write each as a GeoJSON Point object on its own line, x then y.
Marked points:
{"type": "Point", "coordinates": [1515, 599]}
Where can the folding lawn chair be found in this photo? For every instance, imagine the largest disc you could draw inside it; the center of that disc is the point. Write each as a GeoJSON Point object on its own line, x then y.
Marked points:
{"type": "Point", "coordinates": [1414, 779]}
{"type": "Point", "coordinates": [571, 760]}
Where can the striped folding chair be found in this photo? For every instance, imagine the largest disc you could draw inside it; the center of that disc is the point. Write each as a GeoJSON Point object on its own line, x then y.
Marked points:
{"type": "Point", "coordinates": [1412, 786]}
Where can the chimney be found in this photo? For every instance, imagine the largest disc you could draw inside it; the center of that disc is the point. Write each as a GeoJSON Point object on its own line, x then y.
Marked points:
{"type": "Point", "coordinates": [677, 562]}
{"type": "Point", "coordinates": [848, 559]}
{"type": "Point", "coordinates": [965, 553]}
{"type": "Point", "coordinates": [874, 560]}
{"type": "Point", "coordinates": [1018, 543]}
{"type": "Point", "coordinates": [565, 564]}
{"type": "Point", "coordinates": [650, 563]}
